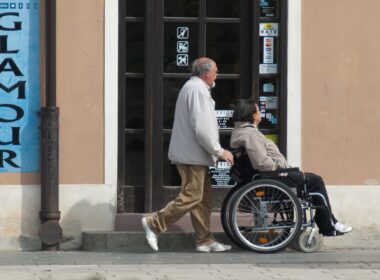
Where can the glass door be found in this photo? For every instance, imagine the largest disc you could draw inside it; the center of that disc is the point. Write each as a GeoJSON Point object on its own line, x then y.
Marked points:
{"type": "Point", "coordinates": [159, 40]}
{"type": "Point", "coordinates": [193, 29]}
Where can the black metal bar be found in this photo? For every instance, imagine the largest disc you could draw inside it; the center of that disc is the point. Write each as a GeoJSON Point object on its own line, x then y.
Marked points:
{"type": "Point", "coordinates": [202, 29]}
{"type": "Point", "coordinates": [245, 49]}
{"type": "Point", "coordinates": [283, 70]}
{"type": "Point", "coordinates": [150, 53]}
{"type": "Point", "coordinates": [202, 17]}
{"type": "Point", "coordinates": [187, 76]}
{"type": "Point", "coordinates": [158, 98]}
{"type": "Point", "coordinates": [121, 107]}
{"type": "Point", "coordinates": [50, 230]}
{"type": "Point", "coordinates": [255, 41]}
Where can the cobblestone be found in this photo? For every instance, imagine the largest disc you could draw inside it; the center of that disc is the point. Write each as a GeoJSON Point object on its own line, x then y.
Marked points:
{"type": "Point", "coordinates": [327, 264]}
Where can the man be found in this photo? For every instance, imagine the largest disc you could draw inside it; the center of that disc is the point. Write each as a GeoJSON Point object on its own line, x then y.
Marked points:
{"type": "Point", "coordinates": [194, 146]}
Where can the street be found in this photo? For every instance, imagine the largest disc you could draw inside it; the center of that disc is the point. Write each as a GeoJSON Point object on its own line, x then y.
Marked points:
{"type": "Point", "coordinates": [325, 264]}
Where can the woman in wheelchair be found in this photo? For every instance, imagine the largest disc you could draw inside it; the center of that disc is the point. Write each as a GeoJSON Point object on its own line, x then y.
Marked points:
{"type": "Point", "coordinates": [264, 155]}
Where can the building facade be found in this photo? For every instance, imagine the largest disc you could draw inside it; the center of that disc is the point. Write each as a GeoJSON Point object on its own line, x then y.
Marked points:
{"type": "Point", "coordinates": [312, 65]}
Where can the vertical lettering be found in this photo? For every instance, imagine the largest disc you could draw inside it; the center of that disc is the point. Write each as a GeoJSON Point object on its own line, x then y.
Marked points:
{"type": "Point", "coordinates": [19, 85]}
{"type": "Point", "coordinates": [13, 67]}
{"type": "Point", "coordinates": [16, 26]}
{"type": "Point", "coordinates": [15, 137]}
{"type": "Point", "coordinates": [19, 113]}
{"type": "Point", "coordinates": [8, 159]}
{"type": "Point", "coordinates": [4, 45]}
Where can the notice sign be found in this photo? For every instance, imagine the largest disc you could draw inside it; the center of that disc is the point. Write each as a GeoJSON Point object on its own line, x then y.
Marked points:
{"type": "Point", "coordinates": [268, 68]}
{"type": "Point", "coordinates": [19, 86]}
{"type": "Point", "coordinates": [182, 46]}
{"type": "Point", "coordinates": [220, 174]}
{"type": "Point", "coordinates": [269, 29]}
{"type": "Point", "coordinates": [268, 51]}
{"type": "Point", "coordinates": [224, 118]}
{"type": "Point", "coordinates": [268, 8]}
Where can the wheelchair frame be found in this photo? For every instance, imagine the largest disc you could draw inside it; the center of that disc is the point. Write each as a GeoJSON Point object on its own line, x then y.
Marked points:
{"type": "Point", "coordinates": [250, 210]}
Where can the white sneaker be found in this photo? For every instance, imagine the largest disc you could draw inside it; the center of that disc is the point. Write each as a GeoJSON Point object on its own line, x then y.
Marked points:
{"type": "Point", "coordinates": [342, 228]}
{"type": "Point", "coordinates": [151, 237]}
{"type": "Point", "coordinates": [213, 247]}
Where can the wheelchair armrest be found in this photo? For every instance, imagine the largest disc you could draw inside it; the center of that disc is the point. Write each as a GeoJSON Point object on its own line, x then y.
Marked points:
{"type": "Point", "coordinates": [281, 170]}
{"type": "Point", "coordinates": [236, 151]}
{"type": "Point", "coordinates": [275, 173]}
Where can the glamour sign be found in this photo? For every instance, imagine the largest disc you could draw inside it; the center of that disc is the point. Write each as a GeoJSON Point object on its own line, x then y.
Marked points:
{"type": "Point", "coordinates": [19, 86]}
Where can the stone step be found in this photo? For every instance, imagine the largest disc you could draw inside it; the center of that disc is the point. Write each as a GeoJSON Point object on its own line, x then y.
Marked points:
{"type": "Point", "coordinates": [129, 236]}
{"type": "Point", "coordinates": [132, 222]}
{"type": "Point", "coordinates": [135, 241]}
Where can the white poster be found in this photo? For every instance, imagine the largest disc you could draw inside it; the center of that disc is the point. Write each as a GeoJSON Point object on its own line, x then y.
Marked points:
{"type": "Point", "coordinates": [268, 69]}
{"type": "Point", "coordinates": [268, 87]}
{"type": "Point", "coordinates": [268, 47]}
{"type": "Point", "coordinates": [272, 102]}
{"type": "Point", "coordinates": [269, 29]}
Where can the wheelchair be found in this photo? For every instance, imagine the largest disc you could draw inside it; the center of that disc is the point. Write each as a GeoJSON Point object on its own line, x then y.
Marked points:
{"type": "Point", "coordinates": [264, 215]}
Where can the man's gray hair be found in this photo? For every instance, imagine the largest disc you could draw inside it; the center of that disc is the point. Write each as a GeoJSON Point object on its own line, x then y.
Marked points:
{"type": "Point", "coordinates": [201, 66]}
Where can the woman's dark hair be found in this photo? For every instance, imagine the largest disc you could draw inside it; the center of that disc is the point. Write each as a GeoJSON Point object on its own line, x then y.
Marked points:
{"type": "Point", "coordinates": [244, 110]}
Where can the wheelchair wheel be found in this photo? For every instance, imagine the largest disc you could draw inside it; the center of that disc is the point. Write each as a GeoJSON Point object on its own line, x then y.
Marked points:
{"type": "Point", "coordinates": [265, 216]}
{"type": "Point", "coordinates": [314, 245]}
{"type": "Point", "coordinates": [225, 214]}
{"type": "Point", "coordinates": [294, 245]}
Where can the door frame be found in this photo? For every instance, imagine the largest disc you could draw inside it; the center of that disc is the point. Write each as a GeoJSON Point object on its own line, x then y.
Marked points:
{"type": "Point", "coordinates": [291, 82]}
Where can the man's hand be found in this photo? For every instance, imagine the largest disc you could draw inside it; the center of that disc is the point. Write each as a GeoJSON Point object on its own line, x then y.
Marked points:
{"type": "Point", "coordinates": [227, 156]}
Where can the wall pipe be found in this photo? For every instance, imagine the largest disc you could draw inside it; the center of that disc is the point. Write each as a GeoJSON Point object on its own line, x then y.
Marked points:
{"type": "Point", "coordinates": [50, 230]}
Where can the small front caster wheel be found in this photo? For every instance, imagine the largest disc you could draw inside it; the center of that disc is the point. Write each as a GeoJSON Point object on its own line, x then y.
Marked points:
{"type": "Point", "coordinates": [314, 245]}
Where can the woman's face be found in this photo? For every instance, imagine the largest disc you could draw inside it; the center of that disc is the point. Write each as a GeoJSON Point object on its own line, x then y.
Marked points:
{"type": "Point", "coordinates": [257, 115]}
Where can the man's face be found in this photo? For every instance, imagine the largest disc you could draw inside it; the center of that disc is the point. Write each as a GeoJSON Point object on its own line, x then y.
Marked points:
{"type": "Point", "coordinates": [211, 75]}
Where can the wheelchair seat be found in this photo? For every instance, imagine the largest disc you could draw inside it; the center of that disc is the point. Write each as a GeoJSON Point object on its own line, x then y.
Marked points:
{"type": "Point", "coordinates": [243, 172]}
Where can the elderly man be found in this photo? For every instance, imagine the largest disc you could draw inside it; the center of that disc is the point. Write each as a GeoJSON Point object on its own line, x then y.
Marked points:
{"type": "Point", "coordinates": [194, 146]}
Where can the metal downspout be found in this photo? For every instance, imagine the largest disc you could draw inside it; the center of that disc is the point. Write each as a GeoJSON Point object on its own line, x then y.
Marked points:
{"type": "Point", "coordinates": [50, 230]}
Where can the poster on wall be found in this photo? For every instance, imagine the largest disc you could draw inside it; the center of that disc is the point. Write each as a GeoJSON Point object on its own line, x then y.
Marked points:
{"type": "Point", "coordinates": [19, 86]}
{"type": "Point", "coordinates": [268, 50]}
{"type": "Point", "coordinates": [220, 174]}
{"type": "Point", "coordinates": [268, 68]}
{"type": "Point", "coordinates": [269, 29]}
{"type": "Point", "coordinates": [224, 118]}
{"type": "Point", "coordinates": [268, 8]}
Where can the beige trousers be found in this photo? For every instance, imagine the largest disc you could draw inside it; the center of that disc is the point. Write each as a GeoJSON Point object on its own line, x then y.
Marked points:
{"type": "Point", "coordinates": [196, 197]}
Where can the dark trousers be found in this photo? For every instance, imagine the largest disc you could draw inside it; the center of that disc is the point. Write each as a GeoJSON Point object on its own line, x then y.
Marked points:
{"type": "Point", "coordinates": [314, 183]}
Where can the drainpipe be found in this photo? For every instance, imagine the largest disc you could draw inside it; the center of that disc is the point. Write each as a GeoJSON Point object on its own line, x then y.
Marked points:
{"type": "Point", "coordinates": [50, 230]}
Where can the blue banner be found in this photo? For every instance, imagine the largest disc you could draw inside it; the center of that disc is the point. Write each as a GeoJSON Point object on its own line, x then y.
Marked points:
{"type": "Point", "coordinates": [19, 86]}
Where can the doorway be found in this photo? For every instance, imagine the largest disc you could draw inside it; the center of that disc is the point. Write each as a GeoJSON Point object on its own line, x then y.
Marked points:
{"type": "Point", "coordinates": [158, 41]}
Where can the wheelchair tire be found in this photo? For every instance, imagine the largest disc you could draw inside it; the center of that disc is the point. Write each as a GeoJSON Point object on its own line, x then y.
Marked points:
{"type": "Point", "coordinates": [254, 212]}
{"type": "Point", "coordinates": [294, 245]}
{"type": "Point", "coordinates": [315, 244]}
{"type": "Point", "coordinates": [225, 215]}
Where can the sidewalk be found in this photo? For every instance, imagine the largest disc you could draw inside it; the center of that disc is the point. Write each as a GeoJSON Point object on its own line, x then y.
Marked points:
{"type": "Point", "coordinates": [325, 264]}
{"type": "Point", "coordinates": [117, 241]}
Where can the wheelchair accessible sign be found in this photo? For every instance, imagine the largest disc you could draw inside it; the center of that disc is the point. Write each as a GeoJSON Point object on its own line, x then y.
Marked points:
{"type": "Point", "coordinates": [19, 86]}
